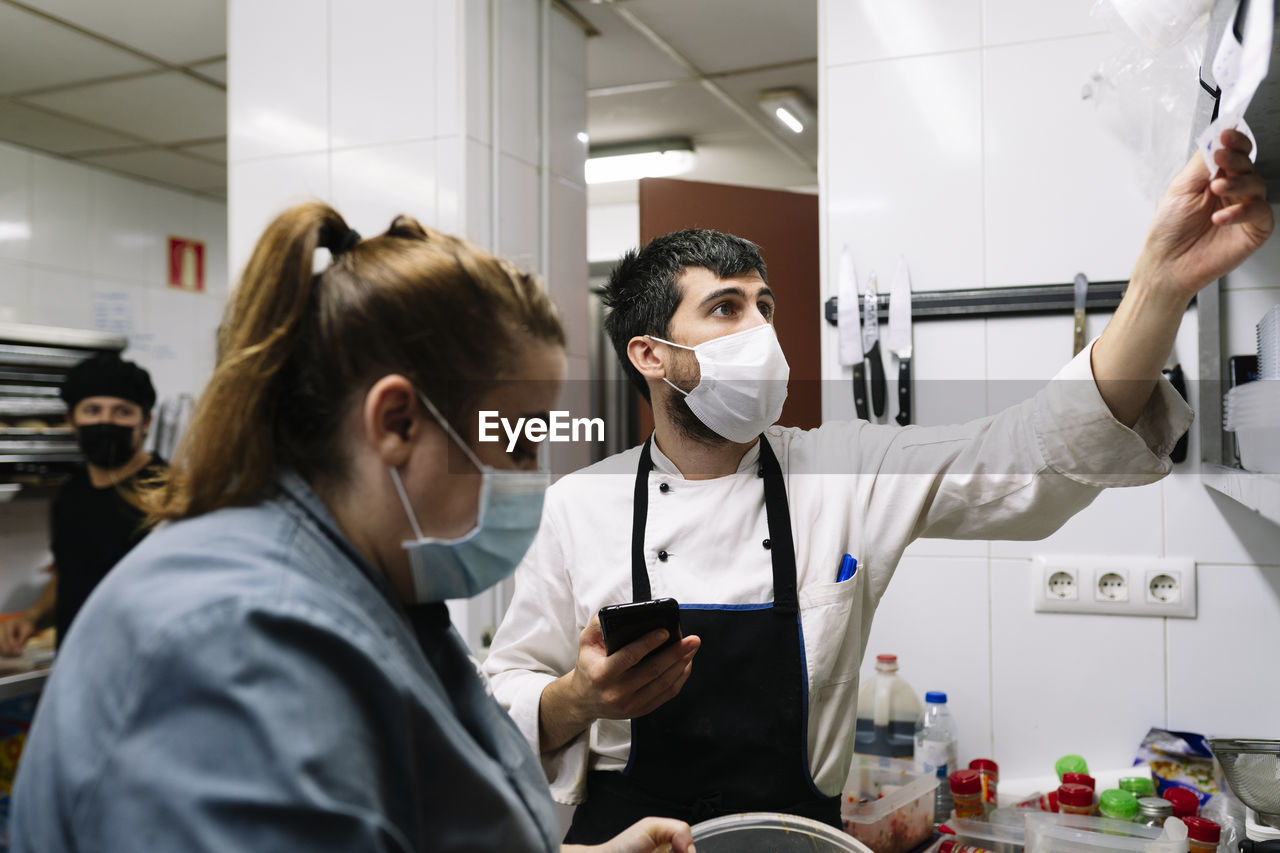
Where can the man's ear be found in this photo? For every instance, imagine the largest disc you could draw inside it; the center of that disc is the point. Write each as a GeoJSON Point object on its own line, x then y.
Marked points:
{"type": "Point", "coordinates": [644, 357]}
{"type": "Point", "coordinates": [391, 419]}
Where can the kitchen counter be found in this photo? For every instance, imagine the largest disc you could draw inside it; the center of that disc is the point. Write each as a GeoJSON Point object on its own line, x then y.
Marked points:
{"type": "Point", "coordinates": [22, 683]}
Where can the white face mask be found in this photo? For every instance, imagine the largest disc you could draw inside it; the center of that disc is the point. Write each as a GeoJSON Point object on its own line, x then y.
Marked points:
{"type": "Point", "coordinates": [743, 384]}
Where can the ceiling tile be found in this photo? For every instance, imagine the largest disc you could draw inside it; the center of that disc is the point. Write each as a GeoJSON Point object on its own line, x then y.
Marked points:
{"type": "Point", "coordinates": [721, 35]}
{"type": "Point", "coordinates": [684, 110]}
{"type": "Point", "coordinates": [35, 53]}
{"type": "Point", "coordinates": [167, 107]}
{"type": "Point", "coordinates": [33, 128]}
{"type": "Point", "coordinates": [164, 166]}
{"type": "Point", "coordinates": [216, 70]}
{"type": "Point", "coordinates": [208, 150]}
{"type": "Point", "coordinates": [621, 55]}
{"type": "Point", "coordinates": [177, 31]}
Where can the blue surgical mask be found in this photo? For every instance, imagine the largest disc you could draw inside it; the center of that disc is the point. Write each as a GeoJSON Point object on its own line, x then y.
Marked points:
{"type": "Point", "coordinates": [509, 514]}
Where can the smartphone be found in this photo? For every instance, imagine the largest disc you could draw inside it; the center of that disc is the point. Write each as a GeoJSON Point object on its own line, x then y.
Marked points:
{"type": "Point", "coordinates": [622, 624]}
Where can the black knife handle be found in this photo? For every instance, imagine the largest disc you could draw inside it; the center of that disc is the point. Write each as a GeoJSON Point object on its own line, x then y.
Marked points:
{"type": "Point", "coordinates": [904, 391]}
{"type": "Point", "coordinates": [860, 391]}
{"type": "Point", "coordinates": [878, 391]}
{"type": "Point", "coordinates": [1179, 383]}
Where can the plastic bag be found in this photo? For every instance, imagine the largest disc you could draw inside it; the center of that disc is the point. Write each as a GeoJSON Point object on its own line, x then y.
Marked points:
{"type": "Point", "coordinates": [1179, 760]}
{"type": "Point", "coordinates": [1146, 94]}
{"type": "Point", "coordinates": [1228, 812]}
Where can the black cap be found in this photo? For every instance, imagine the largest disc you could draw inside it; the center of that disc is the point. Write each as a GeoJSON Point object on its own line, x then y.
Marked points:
{"type": "Point", "coordinates": [108, 375]}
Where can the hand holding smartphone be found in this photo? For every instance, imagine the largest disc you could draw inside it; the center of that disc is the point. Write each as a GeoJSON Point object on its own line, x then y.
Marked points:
{"type": "Point", "coordinates": [622, 624]}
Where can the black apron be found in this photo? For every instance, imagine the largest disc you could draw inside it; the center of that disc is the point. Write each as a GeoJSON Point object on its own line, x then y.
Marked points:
{"type": "Point", "coordinates": [735, 738]}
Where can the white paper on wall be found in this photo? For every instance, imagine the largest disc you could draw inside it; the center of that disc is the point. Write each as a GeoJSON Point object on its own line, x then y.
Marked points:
{"type": "Point", "coordinates": [113, 312]}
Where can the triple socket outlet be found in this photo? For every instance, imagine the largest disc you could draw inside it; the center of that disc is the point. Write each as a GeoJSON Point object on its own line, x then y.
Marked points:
{"type": "Point", "coordinates": [1128, 586]}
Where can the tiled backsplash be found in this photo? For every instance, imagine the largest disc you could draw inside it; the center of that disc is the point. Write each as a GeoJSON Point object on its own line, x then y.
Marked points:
{"type": "Point", "coordinates": [956, 134]}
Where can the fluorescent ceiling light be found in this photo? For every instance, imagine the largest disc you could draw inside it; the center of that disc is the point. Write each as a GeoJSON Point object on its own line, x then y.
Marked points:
{"type": "Point", "coordinates": [658, 159]}
{"type": "Point", "coordinates": [793, 124]}
{"type": "Point", "coordinates": [789, 107]}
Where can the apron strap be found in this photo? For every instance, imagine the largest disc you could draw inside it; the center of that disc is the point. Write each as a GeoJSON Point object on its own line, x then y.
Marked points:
{"type": "Point", "coordinates": [640, 590]}
{"type": "Point", "coordinates": [782, 550]}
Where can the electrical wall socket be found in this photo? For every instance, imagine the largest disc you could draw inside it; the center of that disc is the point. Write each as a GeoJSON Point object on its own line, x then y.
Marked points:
{"type": "Point", "coordinates": [1123, 585]}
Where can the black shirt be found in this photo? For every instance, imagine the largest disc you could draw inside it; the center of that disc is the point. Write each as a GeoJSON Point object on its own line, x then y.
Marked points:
{"type": "Point", "coordinates": [92, 529]}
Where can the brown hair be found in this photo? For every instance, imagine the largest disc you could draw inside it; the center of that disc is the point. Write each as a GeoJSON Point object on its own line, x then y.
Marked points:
{"type": "Point", "coordinates": [296, 347]}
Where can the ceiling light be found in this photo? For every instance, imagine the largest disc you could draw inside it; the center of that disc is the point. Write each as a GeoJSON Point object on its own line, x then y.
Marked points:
{"type": "Point", "coordinates": [789, 107]}
{"type": "Point", "coordinates": [583, 138]}
{"type": "Point", "coordinates": [631, 162]}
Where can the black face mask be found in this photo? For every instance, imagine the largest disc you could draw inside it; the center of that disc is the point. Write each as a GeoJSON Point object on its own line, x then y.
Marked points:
{"type": "Point", "coordinates": [108, 446]}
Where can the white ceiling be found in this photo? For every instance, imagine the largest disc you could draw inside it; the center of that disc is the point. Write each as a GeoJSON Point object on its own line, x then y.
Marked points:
{"type": "Point", "coordinates": [740, 46]}
{"type": "Point", "coordinates": [134, 86]}
{"type": "Point", "coordinates": [139, 86]}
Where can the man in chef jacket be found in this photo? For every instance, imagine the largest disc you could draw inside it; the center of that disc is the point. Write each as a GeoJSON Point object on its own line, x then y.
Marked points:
{"type": "Point", "coordinates": [745, 523]}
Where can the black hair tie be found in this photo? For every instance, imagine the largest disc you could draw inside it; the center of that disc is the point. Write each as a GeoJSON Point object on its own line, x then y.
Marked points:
{"type": "Point", "coordinates": [338, 239]}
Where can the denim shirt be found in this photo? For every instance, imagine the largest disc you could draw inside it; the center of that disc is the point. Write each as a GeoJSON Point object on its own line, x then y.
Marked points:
{"type": "Point", "coordinates": [245, 681]}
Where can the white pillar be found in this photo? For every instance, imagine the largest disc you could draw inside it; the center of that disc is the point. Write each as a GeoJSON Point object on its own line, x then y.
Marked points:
{"type": "Point", "coordinates": [465, 114]}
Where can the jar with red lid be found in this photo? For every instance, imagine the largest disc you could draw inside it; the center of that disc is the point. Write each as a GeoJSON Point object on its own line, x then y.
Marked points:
{"type": "Point", "coordinates": [1202, 834]}
{"type": "Point", "coordinates": [1185, 803]}
{"type": "Point", "coordinates": [1075, 798]}
{"type": "Point", "coordinates": [1080, 779]}
{"type": "Point", "coordinates": [966, 792]}
{"type": "Point", "coordinates": [989, 772]}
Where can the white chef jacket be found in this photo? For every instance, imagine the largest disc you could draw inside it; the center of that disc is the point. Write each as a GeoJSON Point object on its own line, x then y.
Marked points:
{"type": "Point", "coordinates": [852, 487]}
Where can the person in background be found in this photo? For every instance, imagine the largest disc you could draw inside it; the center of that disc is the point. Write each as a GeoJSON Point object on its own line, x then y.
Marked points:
{"type": "Point", "coordinates": [93, 524]}
{"type": "Point", "coordinates": [274, 668]}
{"type": "Point", "coordinates": [747, 524]}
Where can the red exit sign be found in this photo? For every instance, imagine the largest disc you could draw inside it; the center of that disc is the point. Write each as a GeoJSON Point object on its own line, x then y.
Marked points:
{"type": "Point", "coordinates": [186, 264]}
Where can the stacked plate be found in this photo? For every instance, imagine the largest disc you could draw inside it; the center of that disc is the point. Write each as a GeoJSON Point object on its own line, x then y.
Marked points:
{"type": "Point", "coordinates": [1269, 345]}
{"type": "Point", "coordinates": [1252, 412]}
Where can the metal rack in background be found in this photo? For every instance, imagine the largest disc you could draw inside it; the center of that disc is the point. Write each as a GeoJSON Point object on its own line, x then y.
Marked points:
{"type": "Point", "coordinates": [37, 448]}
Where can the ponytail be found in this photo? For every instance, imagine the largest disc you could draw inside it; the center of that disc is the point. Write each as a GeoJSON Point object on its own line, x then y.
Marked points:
{"type": "Point", "coordinates": [228, 453]}
{"type": "Point", "coordinates": [295, 346]}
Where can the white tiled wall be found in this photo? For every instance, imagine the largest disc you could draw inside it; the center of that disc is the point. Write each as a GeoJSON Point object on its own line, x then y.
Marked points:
{"type": "Point", "coordinates": [391, 107]}
{"type": "Point", "coordinates": [955, 132]}
{"type": "Point", "coordinates": [87, 249]}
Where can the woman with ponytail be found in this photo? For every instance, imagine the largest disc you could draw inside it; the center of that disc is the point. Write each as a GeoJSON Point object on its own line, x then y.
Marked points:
{"type": "Point", "coordinates": [274, 667]}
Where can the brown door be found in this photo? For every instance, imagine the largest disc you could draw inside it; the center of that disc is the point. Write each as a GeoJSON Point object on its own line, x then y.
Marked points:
{"type": "Point", "coordinates": [785, 227]}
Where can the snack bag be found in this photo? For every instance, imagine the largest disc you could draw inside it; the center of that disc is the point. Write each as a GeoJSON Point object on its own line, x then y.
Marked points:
{"type": "Point", "coordinates": [1178, 759]}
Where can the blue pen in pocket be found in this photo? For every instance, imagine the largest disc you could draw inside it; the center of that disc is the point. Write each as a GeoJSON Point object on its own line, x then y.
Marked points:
{"type": "Point", "coordinates": [848, 568]}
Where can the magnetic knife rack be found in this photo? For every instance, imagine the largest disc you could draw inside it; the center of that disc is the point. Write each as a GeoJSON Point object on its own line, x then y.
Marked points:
{"type": "Point", "coordinates": [1022, 300]}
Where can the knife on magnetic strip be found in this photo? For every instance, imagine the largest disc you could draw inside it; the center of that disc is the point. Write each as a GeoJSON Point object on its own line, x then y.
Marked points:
{"type": "Point", "coordinates": [1082, 297]}
{"type": "Point", "coordinates": [900, 336]}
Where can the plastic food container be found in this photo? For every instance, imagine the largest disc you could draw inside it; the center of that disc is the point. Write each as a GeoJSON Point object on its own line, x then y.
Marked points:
{"type": "Point", "coordinates": [1005, 836]}
{"type": "Point", "coordinates": [771, 832]}
{"type": "Point", "coordinates": [1062, 833]}
{"type": "Point", "coordinates": [887, 805]}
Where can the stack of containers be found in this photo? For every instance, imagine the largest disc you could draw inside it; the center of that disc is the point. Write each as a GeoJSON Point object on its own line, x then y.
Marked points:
{"type": "Point", "coordinates": [1252, 410]}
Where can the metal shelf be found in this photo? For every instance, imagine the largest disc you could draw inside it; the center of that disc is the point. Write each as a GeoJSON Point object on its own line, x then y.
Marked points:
{"type": "Point", "coordinates": [16, 408]}
{"type": "Point", "coordinates": [56, 336]}
{"type": "Point", "coordinates": [60, 456]}
{"type": "Point", "coordinates": [38, 447]}
{"type": "Point", "coordinates": [1259, 492]}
